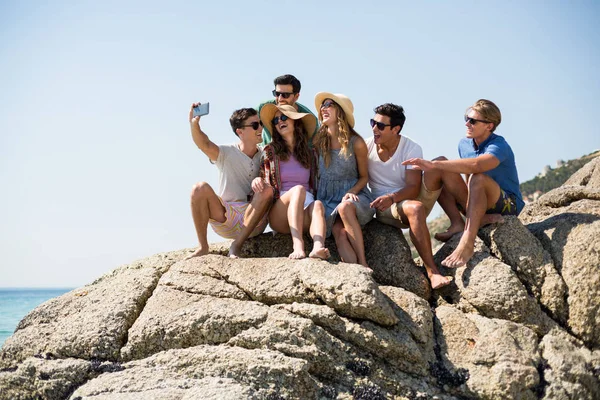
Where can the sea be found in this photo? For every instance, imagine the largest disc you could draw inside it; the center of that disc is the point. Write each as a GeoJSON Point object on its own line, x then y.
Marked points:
{"type": "Point", "coordinates": [15, 303]}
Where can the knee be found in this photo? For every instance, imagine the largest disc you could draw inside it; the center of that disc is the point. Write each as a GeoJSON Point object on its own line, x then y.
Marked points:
{"type": "Point", "coordinates": [413, 209]}
{"type": "Point", "coordinates": [440, 158]}
{"type": "Point", "coordinates": [265, 195]}
{"type": "Point", "coordinates": [298, 190]}
{"type": "Point", "coordinates": [346, 209]}
{"type": "Point", "coordinates": [476, 181]}
{"type": "Point", "coordinates": [201, 190]}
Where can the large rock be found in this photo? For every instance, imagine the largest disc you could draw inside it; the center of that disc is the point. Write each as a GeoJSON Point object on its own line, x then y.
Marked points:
{"type": "Point", "coordinates": [520, 320]}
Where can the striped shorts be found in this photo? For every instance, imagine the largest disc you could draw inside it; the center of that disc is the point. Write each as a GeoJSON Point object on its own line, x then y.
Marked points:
{"type": "Point", "coordinates": [234, 220]}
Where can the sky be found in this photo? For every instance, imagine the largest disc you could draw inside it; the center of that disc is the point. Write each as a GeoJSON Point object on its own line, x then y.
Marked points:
{"type": "Point", "coordinates": [96, 157]}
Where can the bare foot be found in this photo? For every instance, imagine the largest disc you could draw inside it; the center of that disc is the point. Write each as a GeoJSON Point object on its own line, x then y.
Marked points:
{"type": "Point", "coordinates": [322, 253]}
{"type": "Point", "coordinates": [438, 281]}
{"type": "Point", "coordinates": [452, 230]}
{"type": "Point", "coordinates": [492, 219]}
{"type": "Point", "coordinates": [234, 250]}
{"type": "Point", "coordinates": [199, 252]}
{"type": "Point", "coordinates": [460, 256]}
{"type": "Point", "coordinates": [297, 255]}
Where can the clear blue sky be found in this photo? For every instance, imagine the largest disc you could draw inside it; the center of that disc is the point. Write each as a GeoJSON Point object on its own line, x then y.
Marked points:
{"type": "Point", "coordinates": [96, 157]}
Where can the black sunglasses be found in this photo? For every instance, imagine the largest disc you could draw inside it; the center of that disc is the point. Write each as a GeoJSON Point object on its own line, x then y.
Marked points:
{"type": "Point", "coordinates": [327, 104]}
{"type": "Point", "coordinates": [282, 94]}
{"type": "Point", "coordinates": [276, 120]}
{"type": "Point", "coordinates": [473, 121]}
{"type": "Point", "coordinates": [380, 125]}
{"type": "Point", "coordinates": [254, 125]}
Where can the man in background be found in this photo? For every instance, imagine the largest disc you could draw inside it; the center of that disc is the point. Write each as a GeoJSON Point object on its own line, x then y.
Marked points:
{"type": "Point", "coordinates": [287, 91]}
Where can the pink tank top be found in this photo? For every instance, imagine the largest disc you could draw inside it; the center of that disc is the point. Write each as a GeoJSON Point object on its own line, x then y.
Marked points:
{"type": "Point", "coordinates": [292, 173]}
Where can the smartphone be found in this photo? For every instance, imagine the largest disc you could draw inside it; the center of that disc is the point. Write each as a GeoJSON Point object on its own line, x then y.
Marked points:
{"type": "Point", "coordinates": [201, 110]}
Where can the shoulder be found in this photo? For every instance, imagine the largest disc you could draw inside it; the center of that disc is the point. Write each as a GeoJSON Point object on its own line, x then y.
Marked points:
{"type": "Point", "coordinates": [407, 145]}
{"type": "Point", "coordinates": [304, 109]}
{"type": "Point", "coordinates": [358, 142]}
{"type": "Point", "coordinates": [263, 103]}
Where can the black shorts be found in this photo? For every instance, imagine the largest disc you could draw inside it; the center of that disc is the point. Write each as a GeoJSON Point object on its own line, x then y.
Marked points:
{"type": "Point", "coordinates": [506, 205]}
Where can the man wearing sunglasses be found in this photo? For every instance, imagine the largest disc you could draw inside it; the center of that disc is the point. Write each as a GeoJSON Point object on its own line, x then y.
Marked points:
{"type": "Point", "coordinates": [287, 91]}
{"type": "Point", "coordinates": [404, 198]}
{"type": "Point", "coordinates": [492, 182]}
{"type": "Point", "coordinates": [230, 213]}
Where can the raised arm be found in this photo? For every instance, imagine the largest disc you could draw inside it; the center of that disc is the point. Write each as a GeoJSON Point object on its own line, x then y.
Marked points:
{"type": "Point", "coordinates": [200, 138]}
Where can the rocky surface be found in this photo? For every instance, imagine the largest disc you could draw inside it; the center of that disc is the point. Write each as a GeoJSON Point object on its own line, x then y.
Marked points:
{"type": "Point", "coordinates": [520, 320]}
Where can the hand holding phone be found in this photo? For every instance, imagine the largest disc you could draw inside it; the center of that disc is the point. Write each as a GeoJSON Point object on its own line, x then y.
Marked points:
{"type": "Point", "coordinates": [201, 109]}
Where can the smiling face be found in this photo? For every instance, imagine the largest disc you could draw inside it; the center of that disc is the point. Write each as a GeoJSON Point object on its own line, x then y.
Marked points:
{"type": "Point", "coordinates": [479, 130]}
{"type": "Point", "coordinates": [287, 90]}
{"type": "Point", "coordinates": [329, 112]}
{"type": "Point", "coordinates": [248, 134]}
{"type": "Point", "coordinates": [284, 128]}
{"type": "Point", "coordinates": [386, 136]}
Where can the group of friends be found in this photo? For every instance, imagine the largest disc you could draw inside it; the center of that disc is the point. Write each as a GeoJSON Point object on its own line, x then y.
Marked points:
{"type": "Point", "coordinates": [302, 173]}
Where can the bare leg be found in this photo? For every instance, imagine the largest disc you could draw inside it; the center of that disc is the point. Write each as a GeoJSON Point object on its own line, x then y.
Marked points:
{"type": "Point", "coordinates": [317, 230]}
{"type": "Point", "coordinates": [205, 204]}
{"type": "Point", "coordinates": [287, 216]}
{"type": "Point", "coordinates": [342, 242]}
{"type": "Point", "coordinates": [483, 194]}
{"type": "Point", "coordinates": [413, 214]}
{"type": "Point", "coordinates": [254, 213]}
{"type": "Point", "coordinates": [454, 192]}
{"type": "Point", "coordinates": [347, 211]}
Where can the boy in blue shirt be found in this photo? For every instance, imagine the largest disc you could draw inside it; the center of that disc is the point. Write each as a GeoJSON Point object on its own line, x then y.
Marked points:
{"type": "Point", "coordinates": [492, 183]}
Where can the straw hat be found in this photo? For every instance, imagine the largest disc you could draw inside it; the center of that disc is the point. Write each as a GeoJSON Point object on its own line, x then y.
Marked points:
{"type": "Point", "coordinates": [341, 100]}
{"type": "Point", "coordinates": [268, 111]}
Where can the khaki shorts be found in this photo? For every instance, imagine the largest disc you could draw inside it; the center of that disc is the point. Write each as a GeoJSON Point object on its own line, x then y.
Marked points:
{"type": "Point", "coordinates": [234, 214]}
{"type": "Point", "coordinates": [391, 216]}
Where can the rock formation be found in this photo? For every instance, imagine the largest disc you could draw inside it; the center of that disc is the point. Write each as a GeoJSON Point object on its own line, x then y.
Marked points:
{"type": "Point", "coordinates": [520, 320]}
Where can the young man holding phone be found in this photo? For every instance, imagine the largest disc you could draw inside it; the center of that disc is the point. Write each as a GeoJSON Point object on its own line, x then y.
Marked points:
{"type": "Point", "coordinates": [287, 91]}
{"type": "Point", "coordinates": [230, 213]}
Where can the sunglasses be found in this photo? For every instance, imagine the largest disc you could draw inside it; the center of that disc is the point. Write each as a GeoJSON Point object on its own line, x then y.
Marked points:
{"type": "Point", "coordinates": [380, 125]}
{"type": "Point", "coordinates": [473, 121]}
{"type": "Point", "coordinates": [282, 94]}
{"type": "Point", "coordinates": [327, 104]}
{"type": "Point", "coordinates": [254, 125]}
{"type": "Point", "coordinates": [276, 120]}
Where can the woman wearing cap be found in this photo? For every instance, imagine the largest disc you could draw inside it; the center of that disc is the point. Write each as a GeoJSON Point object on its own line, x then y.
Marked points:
{"type": "Point", "coordinates": [343, 175]}
{"type": "Point", "coordinates": [289, 166]}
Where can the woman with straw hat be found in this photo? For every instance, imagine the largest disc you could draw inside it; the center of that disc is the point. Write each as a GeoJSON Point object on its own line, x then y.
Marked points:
{"type": "Point", "coordinates": [289, 166]}
{"type": "Point", "coordinates": [343, 175]}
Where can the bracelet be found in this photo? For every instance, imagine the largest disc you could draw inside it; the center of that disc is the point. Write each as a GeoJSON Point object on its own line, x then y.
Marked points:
{"type": "Point", "coordinates": [391, 196]}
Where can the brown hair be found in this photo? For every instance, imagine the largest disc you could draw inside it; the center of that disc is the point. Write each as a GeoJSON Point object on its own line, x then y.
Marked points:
{"type": "Point", "coordinates": [488, 111]}
{"type": "Point", "coordinates": [300, 151]}
{"type": "Point", "coordinates": [240, 116]}
{"type": "Point", "coordinates": [345, 132]}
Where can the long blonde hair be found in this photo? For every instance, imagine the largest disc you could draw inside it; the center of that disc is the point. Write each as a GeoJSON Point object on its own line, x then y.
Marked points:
{"type": "Point", "coordinates": [322, 142]}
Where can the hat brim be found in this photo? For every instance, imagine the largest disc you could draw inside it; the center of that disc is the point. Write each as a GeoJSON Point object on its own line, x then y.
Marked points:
{"type": "Point", "coordinates": [268, 111]}
{"type": "Point", "coordinates": [320, 98]}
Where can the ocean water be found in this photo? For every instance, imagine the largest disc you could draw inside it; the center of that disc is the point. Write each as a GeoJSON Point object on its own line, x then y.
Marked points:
{"type": "Point", "coordinates": [15, 303]}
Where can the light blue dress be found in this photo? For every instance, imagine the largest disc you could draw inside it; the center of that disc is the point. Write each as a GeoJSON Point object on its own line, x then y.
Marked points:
{"type": "Point", "coordinates": [334, 183]}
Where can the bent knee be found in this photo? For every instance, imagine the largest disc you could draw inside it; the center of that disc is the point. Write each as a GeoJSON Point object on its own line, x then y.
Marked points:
{"type": "Point", "coordinates": [201, 189]}
{"type": "Point", "coordinates": [346, 208]}
{"type": "Point", "coordinates": [413, 208]}
{"type": "Point", "coordinates": [440, 158]}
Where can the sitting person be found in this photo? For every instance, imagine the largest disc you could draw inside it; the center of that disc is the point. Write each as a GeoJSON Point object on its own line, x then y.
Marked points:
{"type": "Point", "coordinates": [343, 176]}
{"type": "Point", "coordinates": [492, 183]}
{"type": "Point", "coordinates": [287, 91]}
{"type": "Point", "coordinates": [289, 168]}
{"type": "Point", "coordinates": [404, 197]}
{"type": "Point", "coordinates": [230, 213]}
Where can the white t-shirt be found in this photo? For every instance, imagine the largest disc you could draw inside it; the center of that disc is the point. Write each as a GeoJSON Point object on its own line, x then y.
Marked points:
{"type": "Point", "coordinates": [236, 172]}
{"type": "Point", "coordinates": [390, 176]}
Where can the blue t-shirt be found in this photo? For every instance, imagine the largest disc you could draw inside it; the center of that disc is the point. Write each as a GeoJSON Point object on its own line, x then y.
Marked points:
{"type": "Point", "coordinates": [505, 174]}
